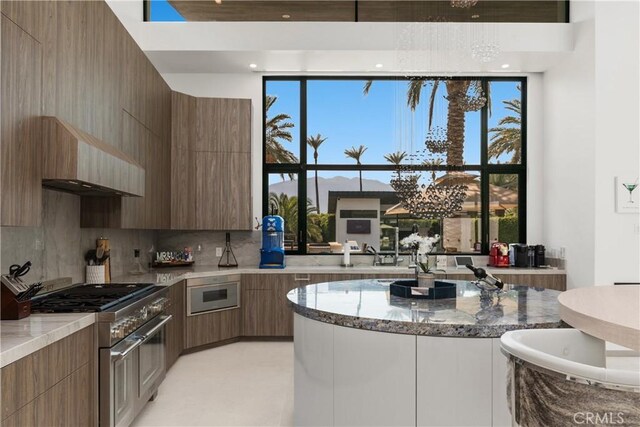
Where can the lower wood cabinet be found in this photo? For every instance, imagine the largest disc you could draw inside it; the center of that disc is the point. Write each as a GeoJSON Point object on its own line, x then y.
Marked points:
{"type": "Point", "coordinates": [557, 282]}
{"type": "Point", "coordinates": [175, 328]}
{"type": "Point", "coordinates": [55, 386]}
{"type": "Point", "coordinates": [265, 309]}
{"type": "Point", "coordinates": [264, 306]}
{"type": "Point", "coordinates": [210, 328]}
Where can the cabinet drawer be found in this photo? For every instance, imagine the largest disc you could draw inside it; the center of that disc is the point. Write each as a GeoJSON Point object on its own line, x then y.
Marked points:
{"type": "Point", "coordinates": [29, 377]}
{"type": "Point", "coordinates": [210, 328]}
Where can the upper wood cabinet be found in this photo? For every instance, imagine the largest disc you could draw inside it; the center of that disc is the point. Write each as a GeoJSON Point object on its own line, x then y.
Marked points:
{"type": "Point", "coordinates": [75, 61]}
{"type": "Point", "coordinates": [21, 130]}
{"type": "Point", "coordinates": [210, 163]}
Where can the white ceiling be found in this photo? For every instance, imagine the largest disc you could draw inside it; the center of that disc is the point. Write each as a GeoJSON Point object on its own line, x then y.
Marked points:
{"type": "Point", "coordinates": [294, 47]}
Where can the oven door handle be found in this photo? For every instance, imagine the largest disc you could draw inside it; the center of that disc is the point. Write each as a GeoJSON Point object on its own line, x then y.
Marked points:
{"type": "Point", "coordinates": [117, 355]}
{"type": "Point", "coordinates": [144, 338]}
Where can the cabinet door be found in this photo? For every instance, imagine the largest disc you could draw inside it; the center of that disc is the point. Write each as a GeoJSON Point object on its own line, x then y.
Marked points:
{"type": "Point", "coordinates": [258, 304]}
{"type": "Point", "coordinates": [20, 89]}
{"type": "Point", "coordinates": [223, 125]}
{"type": "Point", "coordinates": [264, 304]}
{"type": "Point", "coordinates": [210, 328]}
{"type": "Point", "coordinates": [175, 328]}
{"type": "Point", "coordinates": [223, 191]}
{"type": "Point", "coordinates": [183, 166]}
{"type": "Point", "coordinates": [548, 281]}
{"type": "Point", "coordinates": [258, 312]}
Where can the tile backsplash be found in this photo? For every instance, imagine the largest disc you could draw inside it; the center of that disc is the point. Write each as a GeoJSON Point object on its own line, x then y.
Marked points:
{"type": "Point", "coordinates": [56, 249]}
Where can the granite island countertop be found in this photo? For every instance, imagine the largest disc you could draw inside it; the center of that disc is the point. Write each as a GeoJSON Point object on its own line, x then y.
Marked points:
{"type": "Point", "coordinates": [367, 304]}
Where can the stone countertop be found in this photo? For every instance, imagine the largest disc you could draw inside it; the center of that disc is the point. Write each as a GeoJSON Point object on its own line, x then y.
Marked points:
{"type": "Point", "coordinates": [611, 313]}
{"type": "Point", "coordinates": [170, 276]}
{"type": "Point", "coordinates": [367, 304]}
{"type": "Point", "coordinates": [19, 338]}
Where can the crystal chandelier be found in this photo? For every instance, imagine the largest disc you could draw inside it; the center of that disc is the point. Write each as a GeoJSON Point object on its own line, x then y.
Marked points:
{"type": "Point", "coordinates": [432, 201]}
{"type": "Point", "coordinates": [463, 4]}
{"type": "Point", "coordinates": [474, 99]}
{"type": "Point", "coordinates": [437, 140]}
{"type": "Point", "coordinates": [485, 52]}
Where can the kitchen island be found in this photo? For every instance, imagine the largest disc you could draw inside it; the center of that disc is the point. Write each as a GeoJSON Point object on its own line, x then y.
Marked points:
{"type": "Point", "coordinates": [365, 357]}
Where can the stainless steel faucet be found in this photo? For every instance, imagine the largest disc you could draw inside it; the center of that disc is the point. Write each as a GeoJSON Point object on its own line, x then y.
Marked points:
{"type": "Point", "coordinates": [397, 259]}
{"type": "Point", "coordinates": [376, 255]}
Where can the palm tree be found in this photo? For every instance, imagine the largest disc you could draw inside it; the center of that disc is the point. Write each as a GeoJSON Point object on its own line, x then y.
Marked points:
{"type": "Point", "coordinates": [315, 142]}
{"type": "Point", "coordinates": [356, 154]}
{"type": "Point", "coordinates": [395, 158]}
{"type": "Point", "coordinates": [287, 208]}
{"type": "Point", "coordinates": [506, 136]}
{"type": "Point", "coordinates": [277, 130]}
{"type": "Point", "coordinates": [457, 92]}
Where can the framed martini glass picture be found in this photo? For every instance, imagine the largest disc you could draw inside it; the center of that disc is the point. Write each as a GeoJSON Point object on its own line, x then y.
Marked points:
{"type": "Point", "coordinates": [627, 198]}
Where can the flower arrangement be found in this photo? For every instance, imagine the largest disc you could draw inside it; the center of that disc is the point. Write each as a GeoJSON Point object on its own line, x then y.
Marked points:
{"type": "Point", "coordinates": [422, 247]}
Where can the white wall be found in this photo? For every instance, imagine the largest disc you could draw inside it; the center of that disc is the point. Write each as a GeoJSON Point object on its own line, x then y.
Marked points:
{"type": "Point", "coordinates": [591, 110]}
{"type": "Point", "coordinates": [535, 158]}
{"type": "Point", "coordinates": [248, 86]}
{"type": "Point", "coordinates": [569, 129]}
{"type": "Point", "coordinates": [617, 137]}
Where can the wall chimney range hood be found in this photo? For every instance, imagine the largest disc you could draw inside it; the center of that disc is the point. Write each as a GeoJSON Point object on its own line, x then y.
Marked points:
{"type": "Point", "coordinates": [79, 163]}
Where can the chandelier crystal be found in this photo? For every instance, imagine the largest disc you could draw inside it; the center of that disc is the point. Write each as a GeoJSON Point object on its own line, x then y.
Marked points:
{"type": "Point", "coordinates": [437, 140]}
{"type": "Point", "coordinates": [463, 4]}
{"type": "Point", "coordinates": [428, 201]}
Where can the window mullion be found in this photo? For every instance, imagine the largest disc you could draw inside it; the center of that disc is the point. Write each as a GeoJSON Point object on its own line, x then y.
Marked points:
{"type": "Point", "coordinates": [302, 177]}
{"type": "Point", "coordinates": [484, 174]}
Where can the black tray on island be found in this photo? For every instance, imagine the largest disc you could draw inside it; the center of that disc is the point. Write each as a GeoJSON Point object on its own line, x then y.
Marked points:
{"type": "Point", "coordinates": [408, 288]}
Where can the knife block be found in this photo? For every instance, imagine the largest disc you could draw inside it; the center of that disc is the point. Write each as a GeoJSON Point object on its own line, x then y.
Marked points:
{"type": "Point", "coordinates": [12, 309]}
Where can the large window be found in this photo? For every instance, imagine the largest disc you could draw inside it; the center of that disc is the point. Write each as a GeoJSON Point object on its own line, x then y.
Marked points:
{"type": "Point", "coordinates": [333, 145]}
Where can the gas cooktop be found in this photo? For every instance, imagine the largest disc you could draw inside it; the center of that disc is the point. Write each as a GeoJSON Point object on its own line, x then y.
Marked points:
{"type": "Point", "coordinates": [90, 298]}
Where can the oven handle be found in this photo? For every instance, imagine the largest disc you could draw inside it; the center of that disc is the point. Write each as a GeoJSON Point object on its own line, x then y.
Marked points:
{"type": "Point", "coordinates": [144, 338]}
{"type": "Point", "coordinates": [139, 340]}
{"type": "Point", "coordinates": [117, 355]}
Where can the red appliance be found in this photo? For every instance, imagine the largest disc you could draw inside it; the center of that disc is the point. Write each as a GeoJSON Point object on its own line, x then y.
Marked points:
{"type": "Point", "coordinates": [499, 255]}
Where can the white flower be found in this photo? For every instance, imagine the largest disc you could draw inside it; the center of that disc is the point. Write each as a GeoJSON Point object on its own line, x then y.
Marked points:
{"type": "Point", "coordinates": [412, 241]}
{"type": "Point", "coordinates": [428, 244]}
{"type": "Point", "coordinates": [424, 245]}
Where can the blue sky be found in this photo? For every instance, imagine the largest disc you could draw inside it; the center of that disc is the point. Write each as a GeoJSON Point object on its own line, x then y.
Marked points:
{"type": "Point", "coordinates": [381, 121]}
{"type": "Point", "coordinates": [161, 10]}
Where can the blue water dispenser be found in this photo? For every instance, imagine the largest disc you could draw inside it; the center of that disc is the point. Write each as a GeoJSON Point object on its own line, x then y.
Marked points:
{"type": "Point", "coordinates": [272, 251]}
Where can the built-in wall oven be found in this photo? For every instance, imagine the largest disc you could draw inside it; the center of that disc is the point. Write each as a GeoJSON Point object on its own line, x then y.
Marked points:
{"type": "Point", "coordinates": [208, 294]}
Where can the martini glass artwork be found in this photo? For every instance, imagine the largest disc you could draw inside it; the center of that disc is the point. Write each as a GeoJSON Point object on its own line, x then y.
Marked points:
{"type": "Point", "coordinates": [630, 188]}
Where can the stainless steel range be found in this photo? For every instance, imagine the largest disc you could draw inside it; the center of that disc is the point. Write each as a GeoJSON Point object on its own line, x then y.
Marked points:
{"type": "Point", "coordinates": [131, 336]}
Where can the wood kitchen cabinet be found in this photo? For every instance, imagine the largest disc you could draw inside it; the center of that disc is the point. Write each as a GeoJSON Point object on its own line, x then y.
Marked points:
{"type": "Point", "coordinates": [20, 128]}
{"type": "Point", "coordinates": [55, 386]}
{"type": "Point", "coordinates": [210, 163]}
{"type": "Point", "coordinates": [557, 282]}
{"type": "Point", "coordinates": [210, 328]}
{"type": "Point", "coordinates": [175, 328]}
{"type": "Point", "coordinates": [265, 309]}
{"type": "Point", "coordinates": [75, 61]}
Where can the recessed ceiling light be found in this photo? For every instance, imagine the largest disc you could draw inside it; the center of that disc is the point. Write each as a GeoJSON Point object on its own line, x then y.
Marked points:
{"type": "Point", "coordinates": [253, 65]}
{"type": "Point", "coordinates": [286, 16]}
{"type": "Point", "coordinates": [218, 1]}
{"type": "Point", "coordinates": [378, 65]}
{"type": "Point", "coordinates": [475, 16]}
{"type": "Point", "coordinates": [505, 65]}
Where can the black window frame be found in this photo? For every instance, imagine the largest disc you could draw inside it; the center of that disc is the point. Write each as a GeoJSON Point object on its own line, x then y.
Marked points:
{"type": "Point", "coordinates": [485, 168]}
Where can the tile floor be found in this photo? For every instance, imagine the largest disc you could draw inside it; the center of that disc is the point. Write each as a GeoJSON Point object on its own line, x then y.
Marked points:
{"type": "Point", "coordinates": [240, 384]}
